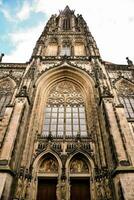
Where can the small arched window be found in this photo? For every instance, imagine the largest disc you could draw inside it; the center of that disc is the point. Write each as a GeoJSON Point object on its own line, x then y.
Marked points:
{"type": "Point", "coordinates": [66, 24]}
{"type": "Point", "coordinates": [65, 114]}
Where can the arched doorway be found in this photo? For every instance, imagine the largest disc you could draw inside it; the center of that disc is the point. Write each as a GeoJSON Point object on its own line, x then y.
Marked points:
{"type": "Point", "coordinates": [79, 173]}
{"type": "Point", "coordinates": [47, 178]}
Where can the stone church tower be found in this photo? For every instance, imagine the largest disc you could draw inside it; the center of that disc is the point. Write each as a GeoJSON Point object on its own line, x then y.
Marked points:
{"type": "Point", "coordinates": [66, 120]}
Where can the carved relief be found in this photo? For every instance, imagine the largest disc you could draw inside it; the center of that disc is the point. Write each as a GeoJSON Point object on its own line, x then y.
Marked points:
{"type": "Point", "coordinates": [78, 166]}
{"type": "Point", "coordinates": [6, 87]}
{"type": "Point", "coordinates": [49, 165]}
{"type": "Point", "coordinates": [6, 91]}
{"type": "Point", "coordinates": [125, 88]}
{"type": "Point", "coordinates": [12, 71]}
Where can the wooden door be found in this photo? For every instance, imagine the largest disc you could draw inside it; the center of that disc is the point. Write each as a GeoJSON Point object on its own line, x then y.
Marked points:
{"type": "Point", "coordinates": [46, 189]}
{"type": "Point", "coordinates": [80, 189]}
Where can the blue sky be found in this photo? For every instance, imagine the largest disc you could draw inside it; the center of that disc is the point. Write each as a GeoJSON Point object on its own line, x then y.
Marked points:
{"type": "Point", "coordinates": [111, 22]}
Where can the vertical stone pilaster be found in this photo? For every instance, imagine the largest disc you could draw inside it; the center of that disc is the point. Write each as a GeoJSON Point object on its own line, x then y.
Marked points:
{"type": "Point", "coordinates": [9, 141]}
{"type": "Point", "coordinates": [126, 134]}
{"type": "Point", "coordinates": [114, 131]}
{"type": "Point", "coordinates": [4, 123]}
{"type": "Point", "coordinates": [5, 185]}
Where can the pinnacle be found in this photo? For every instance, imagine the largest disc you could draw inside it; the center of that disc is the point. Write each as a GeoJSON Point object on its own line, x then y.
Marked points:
{"type": "Point", "coordinates": [67, 10]}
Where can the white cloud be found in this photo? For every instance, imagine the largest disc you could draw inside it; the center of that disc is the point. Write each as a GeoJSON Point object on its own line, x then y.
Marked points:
{"type": "Point", "coordinates": [6, 14]}
{"type": "Point", "coordinates": [24, 13]}
{"type": "Point", "coordinates": [24, 41]}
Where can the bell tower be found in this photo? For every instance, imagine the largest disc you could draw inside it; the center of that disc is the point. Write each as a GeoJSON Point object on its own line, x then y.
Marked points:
{"type": "Point", "coordinates": [66, 119]}
{"type": "Point", "coordinates": [66, 35]}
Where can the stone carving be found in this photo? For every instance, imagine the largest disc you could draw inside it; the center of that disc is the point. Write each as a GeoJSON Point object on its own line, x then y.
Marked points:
{"type": "Point", "coordinates": [15, 74]}
{"type": "Point", "coordinates": [63, 190]}
{"type": "Point", "coordinates": [125, 88]}
{"type": "Point", "coordinates": [49, 165]}
{"type": "Point", "coordinates": [65, 93]}
{"type": "Point", "coordinates": [130, 63]}
{"type": "Point", "coordinates": [78, 166]}
{"type": "Point", "coordinates": [19, 188]}
{"type": "Point", "coordinates": [6, 87]}
{"type": "Point", "coordinates": [1, 56]}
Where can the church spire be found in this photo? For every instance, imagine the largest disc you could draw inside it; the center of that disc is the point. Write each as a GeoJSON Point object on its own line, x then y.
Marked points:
{"type": "Point", "coordinates": [67, 11]}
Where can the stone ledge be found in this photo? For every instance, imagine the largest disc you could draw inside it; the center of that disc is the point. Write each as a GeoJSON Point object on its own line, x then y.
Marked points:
{"type": "Point", "coordinates": [122, 169]}
{"type": "Point", "coordinates": [7, 169]}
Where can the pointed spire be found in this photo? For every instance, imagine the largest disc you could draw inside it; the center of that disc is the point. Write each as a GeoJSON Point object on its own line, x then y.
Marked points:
{"type": "Point", "coordinates": [67, 11]}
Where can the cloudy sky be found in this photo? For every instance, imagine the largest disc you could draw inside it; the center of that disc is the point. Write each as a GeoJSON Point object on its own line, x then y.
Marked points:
{"type": "Point", "coordinates": [111, 22]}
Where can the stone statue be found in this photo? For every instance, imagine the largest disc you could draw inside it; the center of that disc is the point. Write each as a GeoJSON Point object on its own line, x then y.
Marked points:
{"type": "Point", "coordinates": [130, 63]}
{"type": "Point", "coordinates": [63, 190]}
{"type": "Point", "coordinates": [1, 56]}
{"type": "Point", "coordinates": [19, 188]}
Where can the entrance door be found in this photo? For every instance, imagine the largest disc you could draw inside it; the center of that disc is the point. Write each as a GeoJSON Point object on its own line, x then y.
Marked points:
{"type": "Point", "coordinates": [46, 189]}
{"type": "Point", "coordinates": [80, 189]}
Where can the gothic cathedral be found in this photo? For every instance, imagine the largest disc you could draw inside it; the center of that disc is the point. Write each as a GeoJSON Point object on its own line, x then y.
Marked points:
{"type": "Point", "coordinates": [66, 119]}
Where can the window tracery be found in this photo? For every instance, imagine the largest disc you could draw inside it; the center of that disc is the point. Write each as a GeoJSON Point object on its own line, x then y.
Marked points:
{"type": "Point", "coordinates": [126, 97]}
{"type": "Point", "coordinates": [66, 24]}
{"type": "Point", "coordinates": [65, 114]}
{"type": "Point", "coordinates": [6, 91]}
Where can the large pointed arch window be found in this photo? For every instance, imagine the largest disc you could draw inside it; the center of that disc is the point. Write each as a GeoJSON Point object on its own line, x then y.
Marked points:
{"type": "Point", "coordinates": [6, 91]}
{"type": "Point", "coordinates": [65, 114]}
{"type": "Point", "coordinates": [126, 97]}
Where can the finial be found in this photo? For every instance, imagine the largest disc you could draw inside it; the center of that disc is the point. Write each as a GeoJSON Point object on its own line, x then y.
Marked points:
{"type": "Point", "coordinates": [1, 56]}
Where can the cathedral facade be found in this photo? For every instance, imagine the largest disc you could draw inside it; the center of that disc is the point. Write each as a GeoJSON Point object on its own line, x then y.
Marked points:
{"type": "Point", "coordinates": [66, 119]}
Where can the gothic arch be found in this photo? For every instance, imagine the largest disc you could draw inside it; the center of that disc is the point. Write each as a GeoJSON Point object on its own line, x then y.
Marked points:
{"type": "Point", "coordinates": [125, 92]}
{"type": "Point", "coordinates": [10, 80]}
{"type": "Point", "coordinates": [87, 158]}
{"type": "Point", "coordinates": [41, 156]}
{"type": "Point", "coordinates": [57, 75]}
{"type": "Point", "coordinates": [124, 86]}
{"type": "Point", "coordinates": [7, 86]}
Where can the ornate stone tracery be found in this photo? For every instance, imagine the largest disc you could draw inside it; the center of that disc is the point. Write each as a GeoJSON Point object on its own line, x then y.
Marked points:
{"type": "Point", "coordinates": [6, 92]}
{"type": "Point", "coordinates": [65, 92]}
{"type": "Point", "coordinates": [125, 88]}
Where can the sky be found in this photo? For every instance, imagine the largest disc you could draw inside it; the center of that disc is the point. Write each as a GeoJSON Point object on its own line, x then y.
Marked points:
{"type": "Point", "coordinates": [111, 23]}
